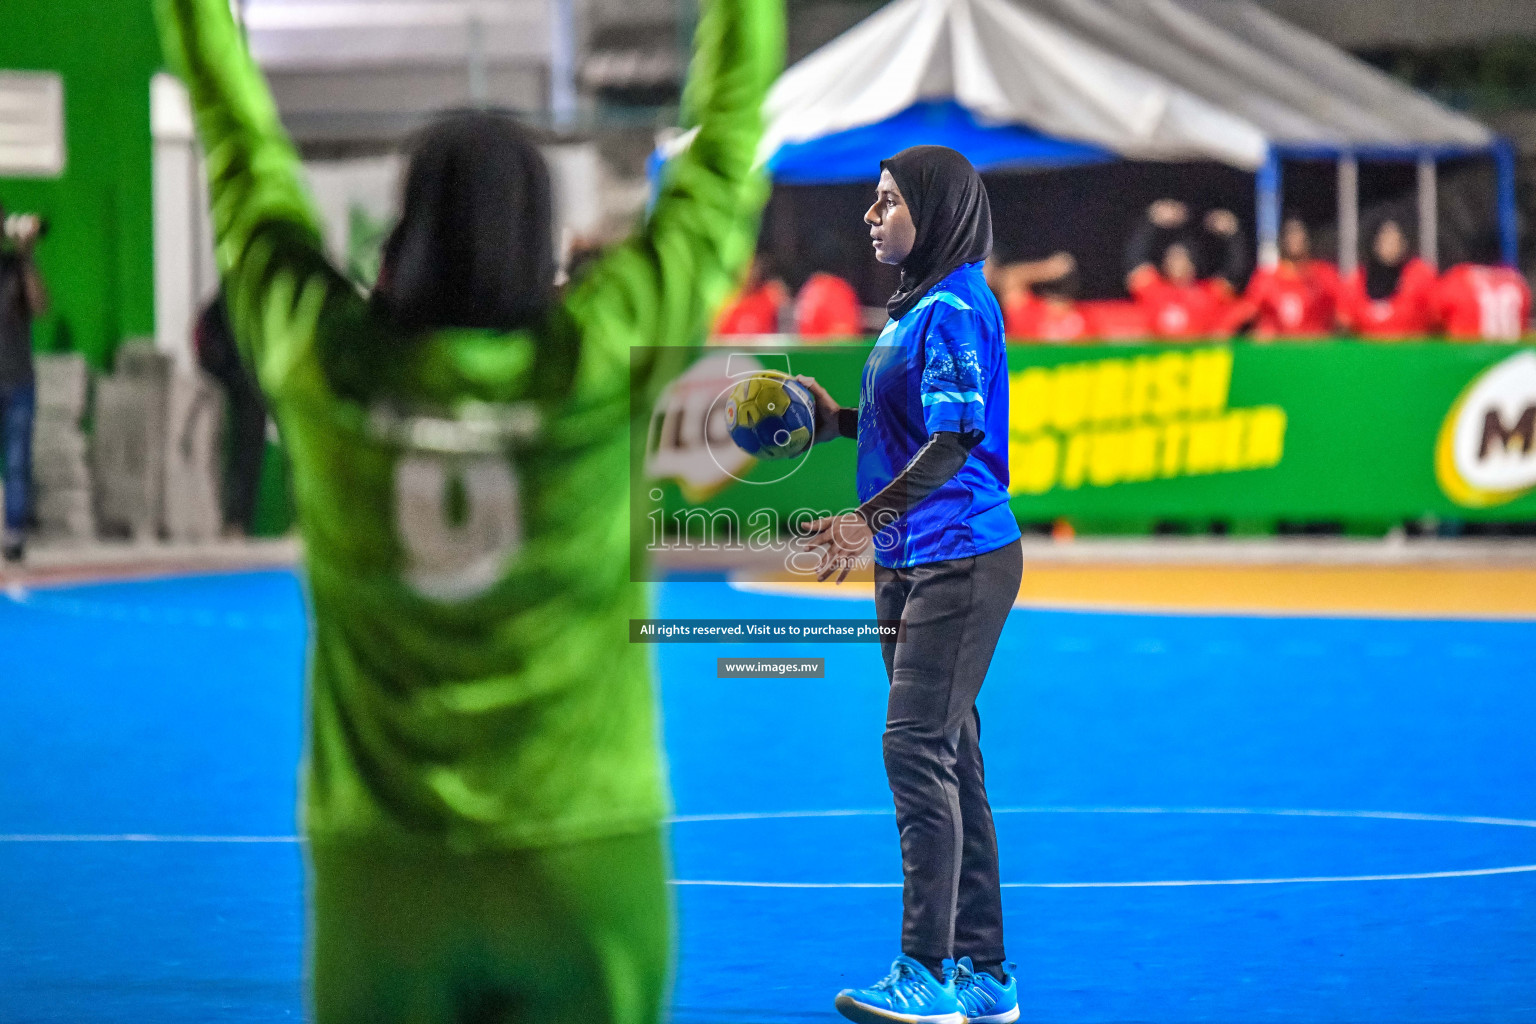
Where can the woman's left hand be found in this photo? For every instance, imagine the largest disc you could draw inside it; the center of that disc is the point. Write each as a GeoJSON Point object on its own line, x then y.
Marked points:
{"type": "Point", "coordinates": [843, 540]}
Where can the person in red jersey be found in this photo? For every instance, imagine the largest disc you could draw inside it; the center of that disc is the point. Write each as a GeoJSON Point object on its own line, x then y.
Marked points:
{"type": "Point", "coordinates": [756, 309]}
{"type": "Point", "coordinates": [828, 307]}
{"type": "Point", "coordinates": [1389, 296]}
{"type": "Point", "coordinates": [1478, 303]}
{"type": "Point", "coordinates": [1039, 300]}
{"type": "Point", "coordinates": [1178, 303]}
{"type": "Point", "coordinates": [1296, 298]}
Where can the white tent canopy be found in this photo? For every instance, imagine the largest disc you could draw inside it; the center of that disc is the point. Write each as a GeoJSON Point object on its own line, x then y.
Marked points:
{"type": "Point", "coordinates": [1055, 82]}
{"type": "Point", "coordinates": [1300, 91]}
{"type": "Point", "coordinates": [1145, 79]}
{"type": "Point", "coordinates": [1009, 65]}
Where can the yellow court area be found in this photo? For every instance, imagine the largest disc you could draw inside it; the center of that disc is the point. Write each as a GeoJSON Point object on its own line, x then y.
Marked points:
{"type": "Point", "coordinates": [1471, 590]}
{"type": "Point", "coordinates": [1411, 591]}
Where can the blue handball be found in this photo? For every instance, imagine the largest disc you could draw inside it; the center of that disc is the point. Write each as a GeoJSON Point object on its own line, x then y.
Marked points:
{"type": "Point", "coordinates": [771, 416]}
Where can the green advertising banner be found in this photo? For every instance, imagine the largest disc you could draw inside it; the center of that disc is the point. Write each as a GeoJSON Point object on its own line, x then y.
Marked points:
{"type": "Point", "coordinates": [1119, 437]}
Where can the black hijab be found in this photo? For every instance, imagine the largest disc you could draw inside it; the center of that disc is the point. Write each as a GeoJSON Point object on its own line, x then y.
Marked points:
{"type": "Point", "coordinates": [1382, 279]}
{"type": "Point", "coordinates": [474, 246]}
{"type": "Point", "coordinates": [953, 218]}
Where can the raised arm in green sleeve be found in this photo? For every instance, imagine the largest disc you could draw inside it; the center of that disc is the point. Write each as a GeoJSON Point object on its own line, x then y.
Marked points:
{"type": "Point", "coordinates": [661, 286]}
{"type": "Point", "coordinates": [266, 233]}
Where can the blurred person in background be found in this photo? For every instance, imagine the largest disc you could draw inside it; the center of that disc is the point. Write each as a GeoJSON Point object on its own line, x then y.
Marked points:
{"type": "Point", "coordinates": [1388, 295]}
{"type": "Point", "coordinates": [759, 307]}
{"type": "Point", "coordinates": [1478, 303]}
{"type": "Point", "coordinates": [217, 354]}
{"type": "Point", "coordinates": [1296, 298]}
{"type": "Point", "coordinates": [1039, 299]}
{"type": "Point", "coordinates": [1178, 303]}
{"type": "Point", "coordinates": [828, 307]}
{"type": "Point", "coordinates": [23, 297]}
{"type": "Point", "coordinates": [483, 788]}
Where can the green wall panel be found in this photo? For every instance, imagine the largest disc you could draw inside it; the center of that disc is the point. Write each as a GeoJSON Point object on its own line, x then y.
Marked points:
{"type": "Point", "coordinates": [1115, 437]}
{"type": "Point", "coordinates": [99, 257]}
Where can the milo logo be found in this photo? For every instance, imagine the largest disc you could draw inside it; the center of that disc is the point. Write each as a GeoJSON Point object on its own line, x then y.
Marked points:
{"type": "Point", "coordinates": [1486, 454]}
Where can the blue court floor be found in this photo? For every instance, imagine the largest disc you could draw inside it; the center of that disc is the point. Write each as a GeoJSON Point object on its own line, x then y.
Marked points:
{"type": "Point", "coordinates": [1201, 818]}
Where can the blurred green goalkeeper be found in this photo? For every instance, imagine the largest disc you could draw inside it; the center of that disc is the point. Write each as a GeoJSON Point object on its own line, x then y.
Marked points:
{"type": "Point", "coordinates": [484, 795]}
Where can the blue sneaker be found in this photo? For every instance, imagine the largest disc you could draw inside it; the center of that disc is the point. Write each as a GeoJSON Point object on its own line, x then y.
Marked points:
{"type": "Point", "coordinates": [909, 993]}
{"type": "Point", "coordinates": [984, 999]}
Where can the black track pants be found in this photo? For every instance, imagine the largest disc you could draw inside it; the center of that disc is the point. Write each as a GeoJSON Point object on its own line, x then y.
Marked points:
{"type": "Point", "coordinates": [954, 613]}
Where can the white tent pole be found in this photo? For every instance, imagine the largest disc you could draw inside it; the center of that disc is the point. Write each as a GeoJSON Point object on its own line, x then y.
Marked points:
{"type": "Point", "coordinates": [562, 63]}
{"type": "Point", "coordinates": [1429, 211]}
{"type": "Point", "coordinates": [1349, 214]}
{"type": "Point", "coordinates": [479, 90]}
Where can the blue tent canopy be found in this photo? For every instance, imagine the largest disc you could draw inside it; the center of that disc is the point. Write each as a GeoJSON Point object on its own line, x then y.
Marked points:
{"type": "Point", "coordinates": [855, 154]}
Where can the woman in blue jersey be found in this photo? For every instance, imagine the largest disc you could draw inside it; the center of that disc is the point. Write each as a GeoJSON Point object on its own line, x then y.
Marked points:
{"type": "Point", "coordinates": [932, 431]}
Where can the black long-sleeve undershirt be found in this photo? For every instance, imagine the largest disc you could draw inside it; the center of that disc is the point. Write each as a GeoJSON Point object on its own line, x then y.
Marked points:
{"type": "Point", "coordinates": [848, 423]}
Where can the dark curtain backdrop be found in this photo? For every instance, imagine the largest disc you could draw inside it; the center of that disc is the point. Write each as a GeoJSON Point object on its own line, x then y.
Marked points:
{"type": "Point", "coordinates": [1091, 212]}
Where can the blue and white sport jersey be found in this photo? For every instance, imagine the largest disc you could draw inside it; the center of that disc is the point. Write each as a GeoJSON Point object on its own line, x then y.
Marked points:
{"type": "Point", "coordinates": [940, 367]}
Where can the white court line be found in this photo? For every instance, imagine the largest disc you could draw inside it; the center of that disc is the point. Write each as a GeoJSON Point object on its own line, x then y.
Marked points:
{"type": "Point", "coordinates": [1460, 819]}
{"type": "Point", "coordinates": [1517, 869]}
{"type": "Point", "coordinates": [860, 812]}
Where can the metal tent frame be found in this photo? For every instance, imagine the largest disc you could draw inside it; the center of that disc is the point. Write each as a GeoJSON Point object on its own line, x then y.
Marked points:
{"type": "Point", "coordinates": [1270, 177]}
